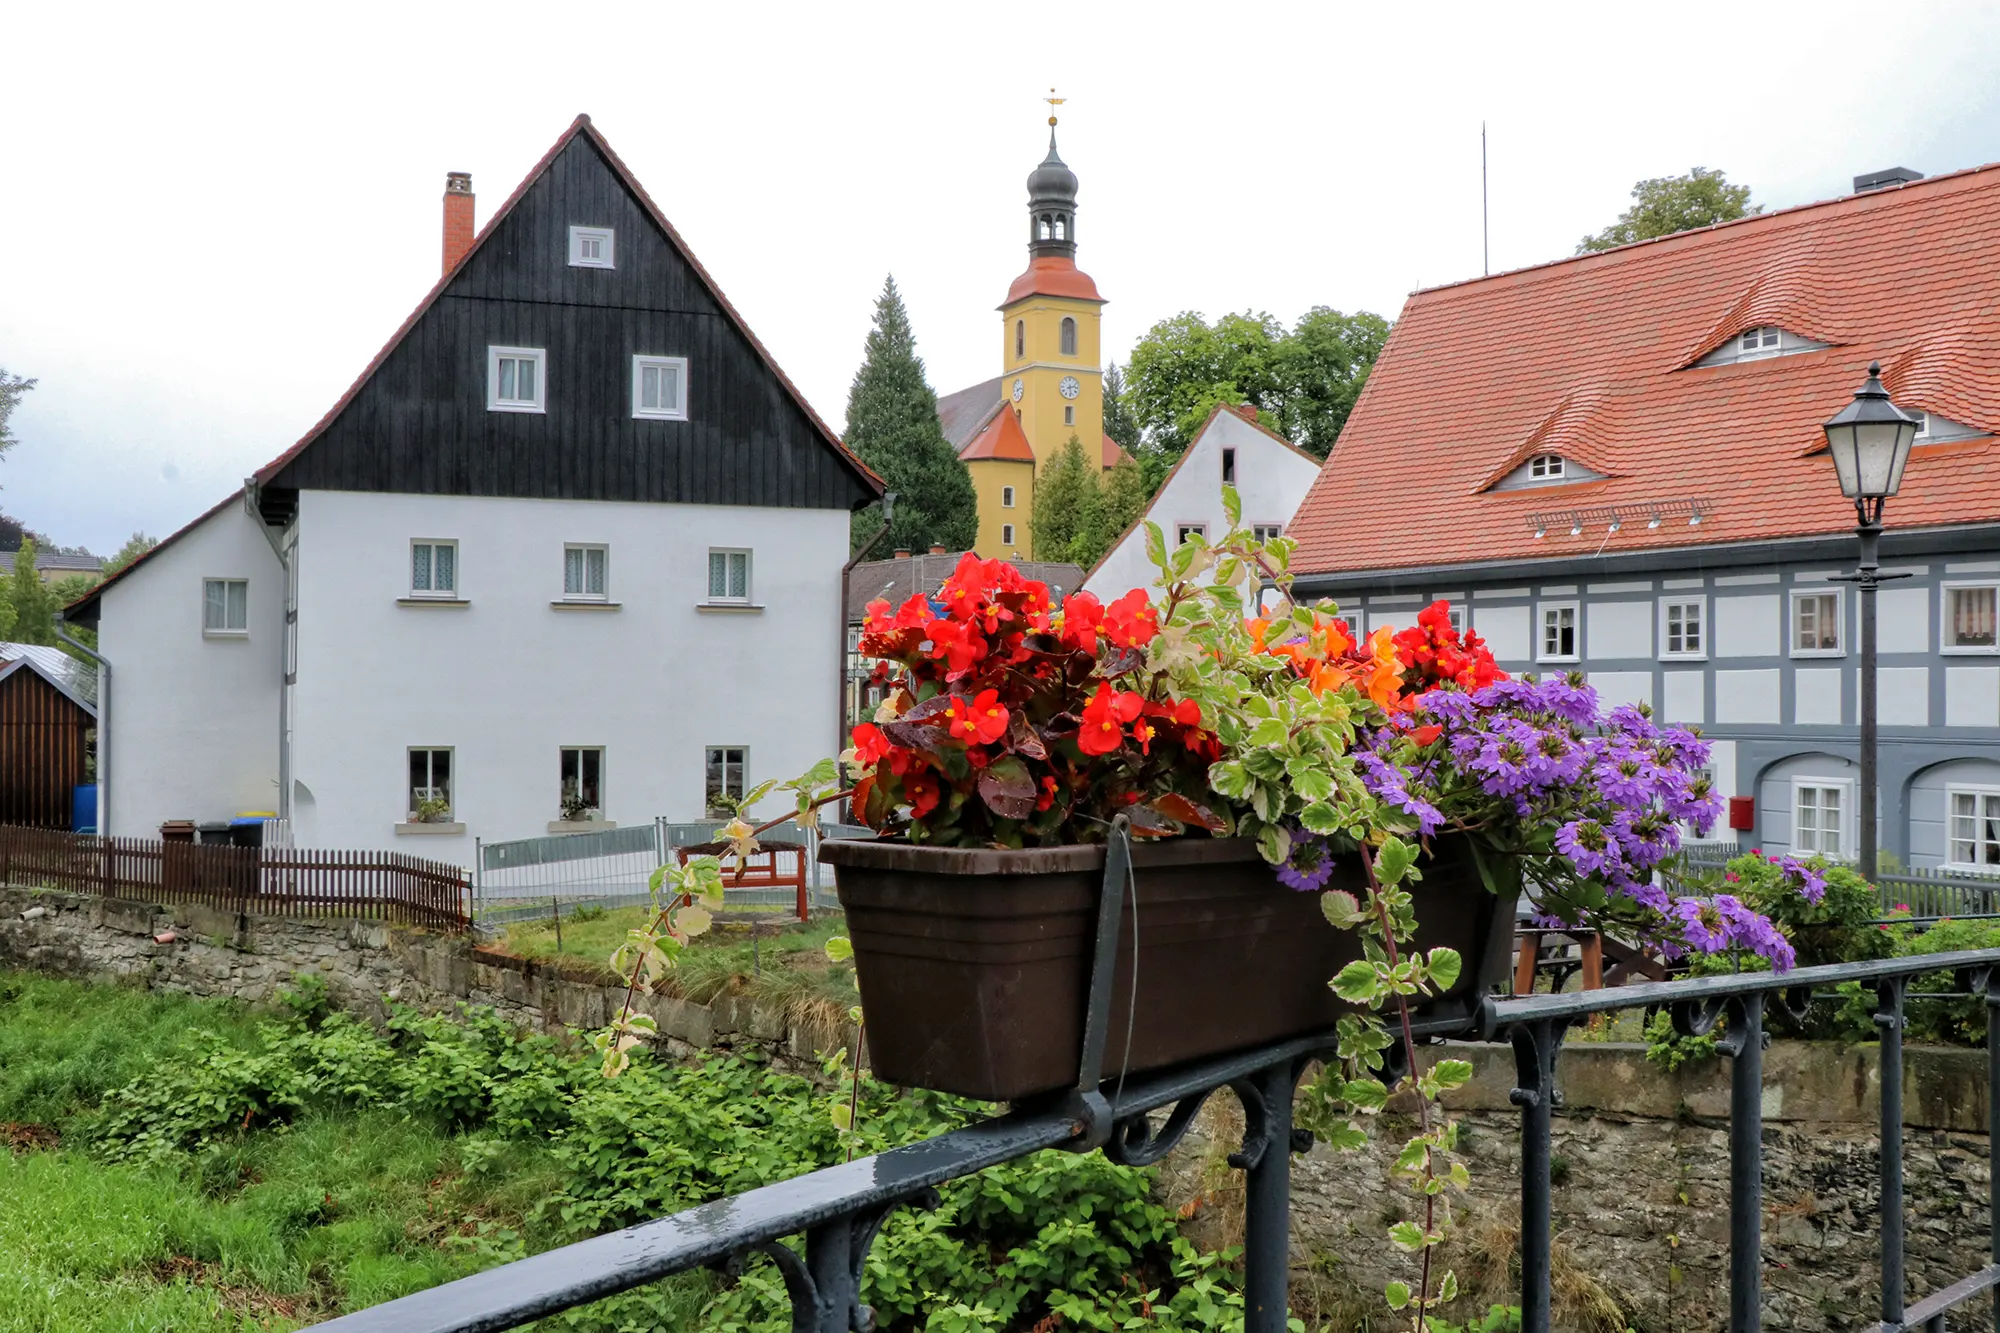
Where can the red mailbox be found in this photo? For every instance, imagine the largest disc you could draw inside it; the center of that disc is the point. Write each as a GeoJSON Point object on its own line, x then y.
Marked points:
{"type": "Point", "coordinates": [1742, 813]}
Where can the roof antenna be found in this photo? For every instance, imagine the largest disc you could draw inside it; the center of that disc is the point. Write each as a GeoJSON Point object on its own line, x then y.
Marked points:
{"type": "Point", "coordinates": [1485, 236]}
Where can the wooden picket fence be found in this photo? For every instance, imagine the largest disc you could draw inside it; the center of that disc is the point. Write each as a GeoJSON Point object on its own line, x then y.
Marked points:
{"type": "Point", "coordinates": [270, 881]}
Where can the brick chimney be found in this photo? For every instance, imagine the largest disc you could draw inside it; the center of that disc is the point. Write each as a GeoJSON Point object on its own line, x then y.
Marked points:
{"type": "Point", "coordinates": [458, 229]}
{"type": "Point", "coordinates": [902, 554]}
{"type": "Point", "coordinates": [1248, 412]}
{"type": "Point", "coordinates": [937, 550]}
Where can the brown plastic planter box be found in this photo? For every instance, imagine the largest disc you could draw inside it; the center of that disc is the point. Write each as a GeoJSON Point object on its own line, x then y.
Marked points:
{"type": "Point", "coordinates": [974, 964]}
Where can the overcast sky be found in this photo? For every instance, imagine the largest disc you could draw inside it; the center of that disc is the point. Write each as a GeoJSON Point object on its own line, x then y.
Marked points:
{"type": "Point", "coordinates": [211, 218]}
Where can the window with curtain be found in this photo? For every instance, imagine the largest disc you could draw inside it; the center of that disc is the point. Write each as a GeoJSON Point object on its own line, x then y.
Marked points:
{"type": "Point", "coordinates": [434, 569]}
{"type": "Point", "coordinates": [1975, 828]}
{"type": "Point", "coordinates": [728, 576]}
{"type": "Point", "coordinates": [225, 606]}
{"type": "Point", "coordinates": [1969, 617]}
{"type": "Point", "coordinates": [584, 572]}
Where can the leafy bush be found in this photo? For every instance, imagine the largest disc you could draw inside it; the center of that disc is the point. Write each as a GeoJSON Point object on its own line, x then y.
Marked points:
{"type": "Point", "coordinates": [1054, 1236]}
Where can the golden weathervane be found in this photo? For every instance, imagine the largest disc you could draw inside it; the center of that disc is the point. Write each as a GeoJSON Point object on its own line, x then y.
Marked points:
{"type": "Point", "coordinates": [1053, 102]}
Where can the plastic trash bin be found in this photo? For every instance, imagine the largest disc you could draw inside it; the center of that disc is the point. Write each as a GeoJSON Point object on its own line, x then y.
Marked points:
{"type": "Point", "coordinates": [212, 834]}
{"type": "Point", "coordinates": [247, 831]}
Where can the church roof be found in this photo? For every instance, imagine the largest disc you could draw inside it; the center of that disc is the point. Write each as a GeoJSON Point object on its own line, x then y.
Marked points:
{"type": "Point", "coordinates": [1052, 275]}
{"type": "Point", "coordinates": [1113, 453]}
{"type": "Point", "coordinates": [1002, 438]}
{"type": "Point", "coordinates": [965, 413]}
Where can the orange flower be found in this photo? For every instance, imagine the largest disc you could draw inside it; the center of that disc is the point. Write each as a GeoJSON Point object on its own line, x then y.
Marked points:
{"type": "Point", "coordinates": [1131, 621]}
{"type": "Point", "coordinates": [980, 720]}
{"type": "Point", "coordinates": [1104, 719]}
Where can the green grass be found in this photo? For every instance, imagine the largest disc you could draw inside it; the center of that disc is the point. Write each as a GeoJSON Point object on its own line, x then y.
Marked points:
{"type": "Point", "coordinates": [269, 1230]}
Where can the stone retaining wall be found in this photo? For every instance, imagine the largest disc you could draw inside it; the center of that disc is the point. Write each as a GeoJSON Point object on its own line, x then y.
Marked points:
{"type": "Point", "coordinates": [206, 951]}
{"type": "Point", "coordinates": [1641, 1156]}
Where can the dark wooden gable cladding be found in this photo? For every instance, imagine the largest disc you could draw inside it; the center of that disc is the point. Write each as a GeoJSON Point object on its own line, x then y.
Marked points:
{"type": "Point", "coordinates": [43, 743]}
{"type": "Point", "coordinates": [420, 423]}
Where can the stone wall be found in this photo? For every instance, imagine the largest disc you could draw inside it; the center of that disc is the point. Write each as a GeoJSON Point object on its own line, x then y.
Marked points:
{"type": "Point", "coordinates": [1641, 1157]}
{"type": "Point", "coordinates": [1640, 1161]}
{"type": "Point", "coordinates": [206, 951]}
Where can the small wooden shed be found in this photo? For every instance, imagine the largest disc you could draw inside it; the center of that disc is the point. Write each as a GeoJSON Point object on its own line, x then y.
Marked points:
{"type": "Point", "coordinates": [48, 715]}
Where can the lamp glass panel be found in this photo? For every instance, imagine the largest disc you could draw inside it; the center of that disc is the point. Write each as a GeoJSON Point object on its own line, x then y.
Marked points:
{"type": "Point", "coordinates": [1840, 443]}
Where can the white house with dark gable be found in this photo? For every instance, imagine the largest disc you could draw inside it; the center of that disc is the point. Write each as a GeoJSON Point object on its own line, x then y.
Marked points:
{"type": "Point", "coordinates": [569, 547]}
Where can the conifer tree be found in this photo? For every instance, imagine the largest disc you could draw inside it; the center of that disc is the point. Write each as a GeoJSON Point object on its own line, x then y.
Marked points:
{"type": "Point", "coordinates": [1119, 421]}
{"type": "Point", "coordinates": [1125, 495]}
{"type": "Point", "coordinates": [33, 605]}
{"type": "Point", "coordinates": [892, 425]}
{"type": "Point", "coordinates": [1069, 508]}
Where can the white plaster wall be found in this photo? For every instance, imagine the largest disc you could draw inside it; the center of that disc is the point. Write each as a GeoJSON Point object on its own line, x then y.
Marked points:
{"type": "Point", "coordinates": [1505, 629]}
{"type": "Point", "coordinates": [1748, 627]}
{"type": "Point", "coordinates": [1903, 697]}
{"type": "Point", "coordinates": [1746, 696]}
{"type": "Point", "coordinates": [1684, 697]}
{"type": "Point", "coordinates": [1903, 620]}
{"type": "Point", "coordinates": [1816, 696]}
{"type": "Point", "coordinates": [1271, 480]}
{"type": "Point", "coordinates": [1622, 687]}
{"type": "Point", "coordinates": [509, 680]}
{"type": "Point", "coordinates": [1619, 630]}
{"type": "Point", "coordinates": [1972, 696]}
{"type": "Point", "coordinates": [194, 719]}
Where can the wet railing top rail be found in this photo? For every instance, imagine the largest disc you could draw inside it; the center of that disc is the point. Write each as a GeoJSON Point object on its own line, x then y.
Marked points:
{"type": "Point", "coordinates": [1582, 1004]}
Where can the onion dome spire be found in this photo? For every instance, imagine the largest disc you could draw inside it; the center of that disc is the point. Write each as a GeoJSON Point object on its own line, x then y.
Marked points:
{"type": "Point", "coordinates": [1052, 199]}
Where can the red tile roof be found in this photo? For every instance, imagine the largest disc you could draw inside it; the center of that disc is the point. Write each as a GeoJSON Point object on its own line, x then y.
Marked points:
{"type": "Point", "coordinates": [1593, 358]}
{"type": "Point", "coordinates": [1002, 438]}
{"type": "Point", "coordinates": [1052, 275]}
{"type": "Point", "coordinates": [1112, 454]}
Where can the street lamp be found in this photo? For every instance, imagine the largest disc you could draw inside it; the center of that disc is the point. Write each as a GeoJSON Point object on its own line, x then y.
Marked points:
{"type": "Point", "coordinates": [1870, 442]}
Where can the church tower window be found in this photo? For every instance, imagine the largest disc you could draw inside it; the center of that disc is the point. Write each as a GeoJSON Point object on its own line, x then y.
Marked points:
{"type": "Point", "coordinates": [1020, 338]}
{"type": "Point", "coordinates": [1046, 227]}
{"type": "Point", "coordinates": [1068, 336]}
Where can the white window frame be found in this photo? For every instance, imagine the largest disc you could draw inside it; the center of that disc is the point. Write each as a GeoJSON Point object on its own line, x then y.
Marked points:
{"type": "Point", "coordinates": [451, 778]}
{"type": "Point", "coordinates": [1357, 621]}
{"type": "Point", "coordinates": [225, 630]}
{"type": "Point", "coordinates": [1846, 788]}
{"type": "Point", "coordinates": [742, 772]}
{"type": "Point", "coordinates": [1700, 605]}
{"type": "Point", "coordinates": [1980, 796]}
{"type": "Point", "coordinates": [1766, 346]}
{"type": "Point", "coordinates": [1181, 531]}
{"type": "Point", "coordinates": [604, 554]}
{"type": "Point", "coordinates": [1006, 534]}
{"type": "Point", "coordinates": [677, 364]}
{"type": "Point", "coordinates": [1228, 466]}
{"type": "Point", "coordinates": [1547, 467]}
{"type": "Point", "coordinates": [1006, 497]}
{"type": "Point", "coordinates": [579, 235]}
{"type": "Point", "coordinates": [1923, 423]}
{"type": "Point", "coordinates": [1945, 590]}
{"type": "Point", "coordinates": [1799, 595]}
{"type": "Point", "coordinates": [1069, 414]}
{"type": "Point", "coordinates": [1456, 614]}
{"type": "Point", "coordinates": [1266, 532]}
{"type": "Point", "coordinates": [1542, 611]}
{"type": "Point", "coordinates": [540, 357]}
{"type": "Point", "coordinates": [726, 598]}
{"type": "Point", "coordinates": [563, 752]}
{"type": "Point", "coordinates": [444, 594]}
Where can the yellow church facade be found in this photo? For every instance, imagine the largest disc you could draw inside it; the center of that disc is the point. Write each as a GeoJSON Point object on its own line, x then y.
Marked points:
{"type": "Point", "coordinates": [1010, 428]}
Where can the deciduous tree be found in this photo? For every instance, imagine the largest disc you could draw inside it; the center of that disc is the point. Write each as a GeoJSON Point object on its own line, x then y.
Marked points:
{"type": "Point", "coordinates": [892, 425]}
{"type": "Point", "coordinates": [1667, 204]}
{"type": "Point", "coordinates": [33, 604]}
{"type": "Point", "coordinates": [11, 389]}
{"type": "Point", "coordinates": [135, 546]}
{"type": "Point", "coordinates": [1303, 381]}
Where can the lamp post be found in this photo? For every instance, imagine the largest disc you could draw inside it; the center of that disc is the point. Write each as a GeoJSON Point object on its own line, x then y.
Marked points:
{"type": "Point", "coordinates": [1870, 442]}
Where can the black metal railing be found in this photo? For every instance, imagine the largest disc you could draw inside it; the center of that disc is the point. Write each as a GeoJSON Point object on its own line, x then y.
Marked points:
{"type": "Point", "coordinates": [838, 1210]}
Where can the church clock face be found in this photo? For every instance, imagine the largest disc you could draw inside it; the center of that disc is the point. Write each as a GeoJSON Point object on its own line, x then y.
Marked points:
{"type": "Point", "coordinates": [1069, 387]}
{"type": "Point", "coordinates": [1019, 389]}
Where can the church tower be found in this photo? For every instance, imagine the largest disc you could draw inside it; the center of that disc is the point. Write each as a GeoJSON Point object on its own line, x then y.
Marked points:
{"type": "Point", "coordinates": [1051, 383]}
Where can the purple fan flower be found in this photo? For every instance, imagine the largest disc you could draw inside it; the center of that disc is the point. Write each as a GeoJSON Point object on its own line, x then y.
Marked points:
{"type": "Point", "coordinates": [1589, 848]}
{"type": "Point", "coordinates": [1309, 866]}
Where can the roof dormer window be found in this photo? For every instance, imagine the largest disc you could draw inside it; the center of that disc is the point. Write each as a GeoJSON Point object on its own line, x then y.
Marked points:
{"type": "Point", "coordinates": [1923, 423]}
{"type": "Point", "coordinates": [1545, 467]}
{"type": "Point", "coordinates": [1760, 341]}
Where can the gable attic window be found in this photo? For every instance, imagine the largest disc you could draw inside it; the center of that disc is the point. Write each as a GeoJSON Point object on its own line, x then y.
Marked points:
{"type": "Point", "coordinates": [659, 388]}
{"type": "Point", "coordinates": [1546, 467]}
{"type": "Point", "coordinates": [225, 607]}
{"type": "Point", "coordinates": [514, 379]}
{"type": "Point", "coordinates": [592, 247]}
